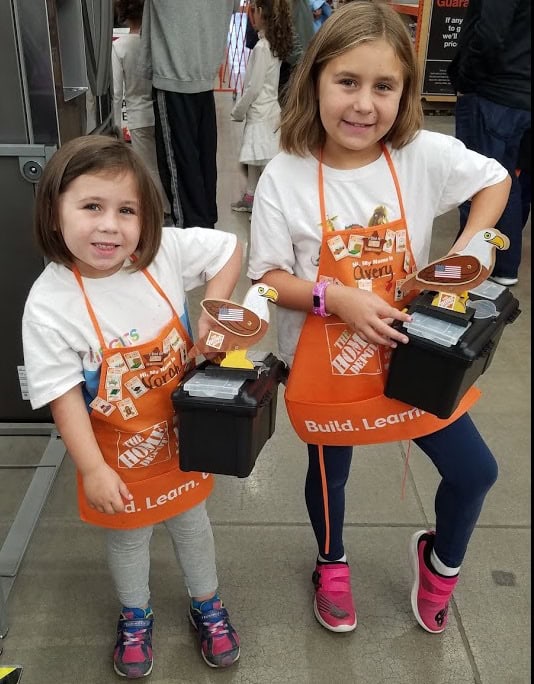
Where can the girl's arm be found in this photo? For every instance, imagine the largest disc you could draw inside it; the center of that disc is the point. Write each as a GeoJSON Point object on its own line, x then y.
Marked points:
{"type": "Point", "coordinates": [487, 207]}
{"type": "Point", "coordinates": [366, 313]}
{"type": "Point", "coordinates": [254, 79]}
{"type": "Point", "coordinates": [221, 285]}
{"type": "Point", "coordinates": [103, 487]}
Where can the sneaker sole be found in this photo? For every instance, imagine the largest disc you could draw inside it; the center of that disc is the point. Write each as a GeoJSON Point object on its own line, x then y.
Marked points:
{"type": "Point", "coordinates": [202, 652]}
{"type": "Point", "coordinates": [121, 674]}
{"type": "Point", "coordinates": [339, 628]}
{"type": "Point", "coordinates": [414, 562]}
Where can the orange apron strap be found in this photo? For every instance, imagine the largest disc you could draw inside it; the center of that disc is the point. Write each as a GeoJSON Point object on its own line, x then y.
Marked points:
{"type": "Point", "coordinates": [92, 316]}
{"type": "Point", "coordinates": [320, 180]}
{"type": "Point", "coordinates": [325, 499]}
{"type": "Point", "coordinates": [151, 280]}
{"type": "Point", "coordinates": [395, 180]}
{"type": "Point", "coordinates": [322, 206]}
{"type": "Point", "coordinates": [158, 289]}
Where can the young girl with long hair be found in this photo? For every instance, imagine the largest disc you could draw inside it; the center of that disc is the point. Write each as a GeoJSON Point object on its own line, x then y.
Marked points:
{"type": "Point", "coordinates": [341, 216]}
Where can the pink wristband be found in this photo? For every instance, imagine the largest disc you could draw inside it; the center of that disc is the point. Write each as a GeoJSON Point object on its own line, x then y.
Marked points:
{"type": "Point", "coordinates": [318, 298]}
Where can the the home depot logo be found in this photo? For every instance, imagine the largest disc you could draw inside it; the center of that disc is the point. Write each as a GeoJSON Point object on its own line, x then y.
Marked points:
{"type": "Point", "coordinates": [144, 448]}
{"type": "Point", "coordinates": [350, 354]}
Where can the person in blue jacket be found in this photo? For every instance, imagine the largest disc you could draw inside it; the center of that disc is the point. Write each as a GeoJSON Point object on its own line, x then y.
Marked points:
{"type": "Point", "coordinates": [321, 10]}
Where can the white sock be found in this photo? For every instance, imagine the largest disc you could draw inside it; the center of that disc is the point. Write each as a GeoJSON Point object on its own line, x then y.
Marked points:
{"type": "Point", "coordinates": [343, 559]}
{"type": "Point", "coordinates": [441, 568]}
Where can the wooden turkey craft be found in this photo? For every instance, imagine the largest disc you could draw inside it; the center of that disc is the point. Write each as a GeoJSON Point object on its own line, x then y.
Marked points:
{"type": "Point", "coordinates": [236, 327]}
{"type": "Point", "coordinates": [460, 271]}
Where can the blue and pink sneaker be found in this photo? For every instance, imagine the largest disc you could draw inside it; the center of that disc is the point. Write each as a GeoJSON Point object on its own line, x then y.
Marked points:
{"type": "Point", "coordinates": [132, 657]}
{"type": "Point", "coordinates": [219, 642]}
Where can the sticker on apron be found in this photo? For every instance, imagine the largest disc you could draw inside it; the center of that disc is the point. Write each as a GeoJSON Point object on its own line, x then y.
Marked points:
{"type": "Point", "coordinates": [337, 247]}
{"type": "Point", "coordinates": [365, 284]}
{"type": "Point", "coordinates": [389, 241]}
{"type": "Point", "coordinates": [134, 360]}
{"type": "Point", "coordinates": [114, 393]}
{"type": "Point", "coordinates": [155, 357]}
{"type": "Point", "coordinates": [355, 245]}
{"type": "Point", "coordinates": [104, 407]}
{"type": "Point", "coordinates": [374, 243]}
{"type": "Point", "coordinates": [127, 408]}
{"type": "Point", "coordinates": [135, 387]}
{"type": "Point", "coordinates": [174, 339]}
{"type": "Point", "coordinates": [399, 296]}
{"type": "Point", "coordinates": [400, 240]}
{"type": "Point", "coordinates": [117, 361]}
{"type": "Point", "coordinates": [407, 261]}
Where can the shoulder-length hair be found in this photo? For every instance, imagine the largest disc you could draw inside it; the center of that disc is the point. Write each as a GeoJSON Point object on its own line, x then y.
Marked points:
{"type": "Point", "coordinates": [354, 24]}
{"type": "Point", "coordinates": [95, 154]}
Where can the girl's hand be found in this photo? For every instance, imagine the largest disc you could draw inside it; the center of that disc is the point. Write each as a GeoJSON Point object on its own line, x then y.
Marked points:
{"type": "Point", "coordinates": [104, 489]}
{"type": "Point", "coordinates": [367, 314]}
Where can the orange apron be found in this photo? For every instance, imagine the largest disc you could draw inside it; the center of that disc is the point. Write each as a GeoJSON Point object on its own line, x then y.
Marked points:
{"type": "Point", "coordinates": [335, 393]}
{"type": "Point", "coordinates": [134, 423]}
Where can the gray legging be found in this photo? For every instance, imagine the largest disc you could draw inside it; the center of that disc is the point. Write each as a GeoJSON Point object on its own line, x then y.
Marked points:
{"type": "Point", "coordinates": [192, 538]}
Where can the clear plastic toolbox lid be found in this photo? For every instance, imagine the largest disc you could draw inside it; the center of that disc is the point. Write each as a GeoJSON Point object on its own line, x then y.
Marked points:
{"type": "Point", "coordinates": [435, 329]}
{"type": "Point", "coordinates": [201, 385]}
{"type": "Point", "coordinates": [488, 290]}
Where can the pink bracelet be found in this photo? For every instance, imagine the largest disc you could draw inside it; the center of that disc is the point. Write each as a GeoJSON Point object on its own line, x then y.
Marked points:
{"type": "Point", "coordinates": [318, 298]}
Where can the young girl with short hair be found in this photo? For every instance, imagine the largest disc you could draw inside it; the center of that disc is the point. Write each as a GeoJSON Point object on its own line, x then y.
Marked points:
{"type": "Point", "coordinates": [106, 333]}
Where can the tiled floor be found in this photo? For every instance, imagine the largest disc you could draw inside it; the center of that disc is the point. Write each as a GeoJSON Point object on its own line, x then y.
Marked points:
{"type": "Point", "coordinates": [62, 610]}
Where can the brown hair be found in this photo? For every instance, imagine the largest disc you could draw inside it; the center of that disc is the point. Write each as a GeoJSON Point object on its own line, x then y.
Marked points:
{"type": "Point", "coordinates": [277, 25]}
{"type": "Point", "coordinates": [129, 10]}
{"type": "Point", "coordinates": [95, 154]}
{"type": "Point", "coordinates": [352, 25]}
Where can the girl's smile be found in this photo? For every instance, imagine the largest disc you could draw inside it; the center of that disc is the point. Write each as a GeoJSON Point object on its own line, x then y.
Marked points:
{"type": "Point", "coordinates": [99, 220]}
{"type": "Point", "coordinates": [359, 94]}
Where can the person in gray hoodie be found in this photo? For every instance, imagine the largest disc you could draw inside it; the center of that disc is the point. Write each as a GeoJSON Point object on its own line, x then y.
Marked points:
{"type": "Point", "coordinates": [182, 47]}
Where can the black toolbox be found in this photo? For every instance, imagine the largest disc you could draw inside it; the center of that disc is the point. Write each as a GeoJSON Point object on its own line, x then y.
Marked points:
{"type": "Point", "coordinates": [225, 416]}
{"type": "Point", "coordinates": [440, 363]}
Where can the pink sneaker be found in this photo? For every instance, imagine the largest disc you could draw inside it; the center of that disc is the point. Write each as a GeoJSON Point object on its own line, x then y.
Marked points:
{"type": "Point", "coordinates": [333, 605]}
{"type": "Point", "coordinates": [430, 592]}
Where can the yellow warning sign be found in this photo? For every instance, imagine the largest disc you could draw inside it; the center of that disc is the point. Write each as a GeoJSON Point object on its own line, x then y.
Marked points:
{"type": "Point", "coordinates": [10, 674]}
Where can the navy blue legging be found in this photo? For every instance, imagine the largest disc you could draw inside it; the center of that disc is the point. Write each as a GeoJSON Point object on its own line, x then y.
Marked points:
{"type": "Point", "coordinates": [466, 465]}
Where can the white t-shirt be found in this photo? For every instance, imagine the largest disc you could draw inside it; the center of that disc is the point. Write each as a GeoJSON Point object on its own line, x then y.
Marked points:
{"type": "Point", "coordinates": [259, 101]}
{"type": "Point", "coordinates": [127, 80]}
{"type": "Point", "coordinates": [61, 347]}
{"type": "Point", "coordinates": [436, 173]}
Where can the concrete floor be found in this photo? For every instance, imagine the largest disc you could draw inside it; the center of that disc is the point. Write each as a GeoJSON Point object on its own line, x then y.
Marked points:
{"type": "Point", "coordinates": [62, 611]}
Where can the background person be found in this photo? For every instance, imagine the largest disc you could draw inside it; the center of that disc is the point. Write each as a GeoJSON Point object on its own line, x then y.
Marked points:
{"type": "Point", "coordinates": [491, 75]}
{"type": "Point", "coordinates": [182, 48]}
{"type": "Point", "coordinates": [258, 105]}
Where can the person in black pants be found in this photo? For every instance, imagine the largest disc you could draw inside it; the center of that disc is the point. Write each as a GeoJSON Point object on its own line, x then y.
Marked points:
{"type": "Point", "coordinates": [491, 75]}
{"type": "Point", "coordinates": [182, 48]}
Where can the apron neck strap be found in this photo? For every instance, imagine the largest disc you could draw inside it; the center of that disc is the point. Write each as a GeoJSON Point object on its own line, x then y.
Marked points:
{"type": "Point", "coordinates": [322, 205]}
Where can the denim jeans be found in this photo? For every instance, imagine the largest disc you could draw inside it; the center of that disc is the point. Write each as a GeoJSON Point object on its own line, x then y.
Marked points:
{"type": "Point", "coordinates": [495, 131]}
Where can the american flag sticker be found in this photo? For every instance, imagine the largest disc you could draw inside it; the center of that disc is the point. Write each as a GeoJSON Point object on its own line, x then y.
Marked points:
{"type": "Point", "coordinates": [444, 271]}
{"type": "Point", "coordinates": [228, 313]}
